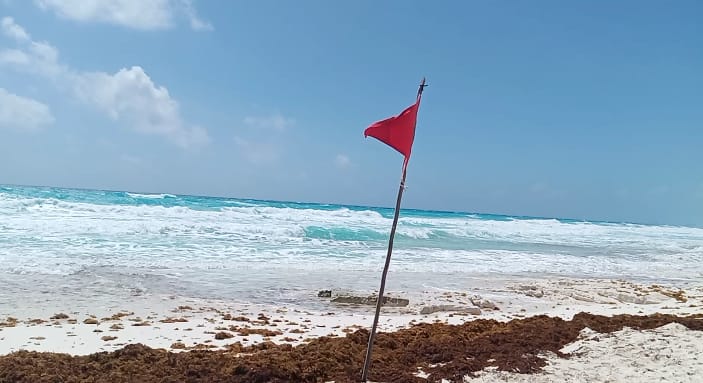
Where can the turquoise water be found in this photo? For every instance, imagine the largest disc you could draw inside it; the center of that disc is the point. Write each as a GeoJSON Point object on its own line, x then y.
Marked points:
{"type": "Point", "coordinates": [210, 246]}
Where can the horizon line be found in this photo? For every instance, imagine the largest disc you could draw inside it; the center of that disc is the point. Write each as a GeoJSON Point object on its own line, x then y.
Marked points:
{"type": "Point", "coordinates": [516, 216]}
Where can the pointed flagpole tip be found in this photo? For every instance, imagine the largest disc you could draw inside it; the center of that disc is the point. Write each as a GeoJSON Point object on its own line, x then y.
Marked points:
{"type": "Point", "coordinates": [421, 87]}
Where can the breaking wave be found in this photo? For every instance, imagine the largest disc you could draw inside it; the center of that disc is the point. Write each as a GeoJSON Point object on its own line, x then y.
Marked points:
{"type": "Point", "coordinates": [55, 231]}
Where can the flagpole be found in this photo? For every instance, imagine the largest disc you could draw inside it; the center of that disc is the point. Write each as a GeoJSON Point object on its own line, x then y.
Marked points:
{"type": "Point", "coordinates": [379, 302]}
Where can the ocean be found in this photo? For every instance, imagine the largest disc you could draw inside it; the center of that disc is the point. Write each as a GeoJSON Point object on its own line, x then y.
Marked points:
{"type": "Point", "coordinates": [68, 244]}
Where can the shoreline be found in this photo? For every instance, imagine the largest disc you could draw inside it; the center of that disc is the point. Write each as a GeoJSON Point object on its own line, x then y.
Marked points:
{"type": "Point", "coordinates": [164, 321]}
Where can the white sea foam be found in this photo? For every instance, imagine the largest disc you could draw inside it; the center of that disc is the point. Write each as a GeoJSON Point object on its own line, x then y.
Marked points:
{"type": "Point", "coordinates": [249, 246]}
{"type": "Point", "coordinates": [151, 196]}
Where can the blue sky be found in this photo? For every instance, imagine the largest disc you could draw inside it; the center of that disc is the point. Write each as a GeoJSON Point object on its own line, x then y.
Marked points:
{"type": "Point", "coordinates": [588, 110]}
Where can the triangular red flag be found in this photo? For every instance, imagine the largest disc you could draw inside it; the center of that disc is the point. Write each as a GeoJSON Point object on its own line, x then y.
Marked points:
{"type": "Point", "coordinates": [398, 131]}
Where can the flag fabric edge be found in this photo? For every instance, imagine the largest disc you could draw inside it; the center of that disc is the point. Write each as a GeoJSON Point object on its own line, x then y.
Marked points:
{"type": "Point", "coordinates": [397, 131]}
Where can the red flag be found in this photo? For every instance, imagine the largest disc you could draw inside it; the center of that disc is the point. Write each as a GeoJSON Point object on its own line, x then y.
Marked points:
{"type": "Point", "coordinates": [398, 131]}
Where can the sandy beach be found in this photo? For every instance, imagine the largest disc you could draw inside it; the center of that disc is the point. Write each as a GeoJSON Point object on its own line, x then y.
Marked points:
{"type": "Point", "coordinates": [172, 324]}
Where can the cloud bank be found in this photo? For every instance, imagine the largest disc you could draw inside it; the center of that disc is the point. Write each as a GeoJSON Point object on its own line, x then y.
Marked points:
{"type": "Point", "coordinates": [135, 14]}
{"type": "Point", "coordinates": [128, 96]}
{"type": "Point", "coordinates": [23, 113]}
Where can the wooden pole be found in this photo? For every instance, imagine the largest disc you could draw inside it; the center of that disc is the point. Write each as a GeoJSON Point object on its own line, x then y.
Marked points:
{"type": "Point", "coordinates": [379, 302]}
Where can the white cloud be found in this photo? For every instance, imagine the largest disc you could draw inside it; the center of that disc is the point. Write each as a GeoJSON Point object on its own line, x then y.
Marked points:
{"type": "Point", "coordinates": [342, 161]}
{"type": "Point", "coordinates": [132, 97]}
{"type": "Point", "coordinates": [274, 122]}
{"type": "Point", "coordinates": [136, 14]}
{"type": "Point", "coordinates": [37, 57]}
{"type": "Point", "coordinates": [11, 29]}
{"type": "Point", "coordinates": [128, 96]}
{"type": "Point", "coordinates": [23, 113]}
{"type": "Point", "coordinates": [14, 57]}
{"type": "Point", "coordinates": [257, 152]}
{"type": "Point", "coordinates": [264, 143]}
{"type": "Point", "coordinates": [195, 22]}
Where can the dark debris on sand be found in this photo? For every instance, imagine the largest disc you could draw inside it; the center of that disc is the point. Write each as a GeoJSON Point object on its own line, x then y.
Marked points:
{"type": "Point", "coordinates": [443, 351]}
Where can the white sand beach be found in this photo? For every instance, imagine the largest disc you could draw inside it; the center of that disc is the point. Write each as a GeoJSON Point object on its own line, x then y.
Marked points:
{"type": "Point", "coordinates": [178, 324]}
{"type": "Point", "coordinates": [670, 353]}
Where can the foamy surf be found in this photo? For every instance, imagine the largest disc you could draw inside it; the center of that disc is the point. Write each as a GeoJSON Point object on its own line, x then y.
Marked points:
{"type": "Point", "coordinates": [262, 249]}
